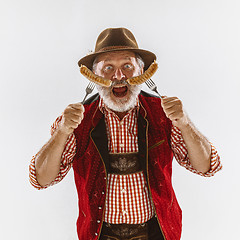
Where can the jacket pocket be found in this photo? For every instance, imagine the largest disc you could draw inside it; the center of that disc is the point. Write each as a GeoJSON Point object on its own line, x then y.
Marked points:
{"type": "Point", "coordinates": [156, 144]}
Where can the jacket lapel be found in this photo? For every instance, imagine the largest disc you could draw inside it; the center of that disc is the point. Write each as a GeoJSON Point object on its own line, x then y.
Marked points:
{"type": "Point", "coordinates": [99, 137]}
{"type": "Point", "coordinates": [142, 141]}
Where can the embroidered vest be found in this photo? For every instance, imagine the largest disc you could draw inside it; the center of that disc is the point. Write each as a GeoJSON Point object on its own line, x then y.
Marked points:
{"type": "Point", "coordinates": [91, 164]}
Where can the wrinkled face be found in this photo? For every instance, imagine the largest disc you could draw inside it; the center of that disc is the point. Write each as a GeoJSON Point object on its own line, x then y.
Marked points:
{"type": "Point", "coordinates": [118, 67]}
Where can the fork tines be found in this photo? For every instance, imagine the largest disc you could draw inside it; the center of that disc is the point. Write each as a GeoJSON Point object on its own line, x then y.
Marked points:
{"type": "Point", "coordinates": [89, 90]}
{"type": "Point", "coordinates": [151, 84]}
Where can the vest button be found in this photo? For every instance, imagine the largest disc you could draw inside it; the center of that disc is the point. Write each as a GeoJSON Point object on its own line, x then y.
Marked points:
{"type": "Point", "coordinates": [98, 221]}
{"type": "Point", "coordinates": [99, 207]}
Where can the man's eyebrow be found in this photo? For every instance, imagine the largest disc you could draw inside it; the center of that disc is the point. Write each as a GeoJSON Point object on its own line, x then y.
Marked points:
{"type": "Point", "coordinates": [107, 60]}
{"type": "Point", "coordinates": [128, 58]}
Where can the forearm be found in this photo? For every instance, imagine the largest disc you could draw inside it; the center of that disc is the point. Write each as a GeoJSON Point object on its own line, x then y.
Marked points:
{"type": "Point", "coordinates": [48, 159]}
{"type": "Point", "coordinates": [198, 147]}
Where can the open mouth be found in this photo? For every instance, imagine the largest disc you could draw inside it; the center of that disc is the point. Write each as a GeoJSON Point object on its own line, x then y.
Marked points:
{"type": "Point", "coordinates": [120, 91]}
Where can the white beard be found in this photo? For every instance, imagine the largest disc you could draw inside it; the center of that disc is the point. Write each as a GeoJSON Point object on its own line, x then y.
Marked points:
{"type": "Point", "coordinates": [120, 105]}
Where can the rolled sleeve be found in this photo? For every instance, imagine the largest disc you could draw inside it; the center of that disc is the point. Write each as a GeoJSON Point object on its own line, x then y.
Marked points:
{"type": "Point", "coordinates": [66, 162]}
{"type": "Point", "coordinates": [181, 155]}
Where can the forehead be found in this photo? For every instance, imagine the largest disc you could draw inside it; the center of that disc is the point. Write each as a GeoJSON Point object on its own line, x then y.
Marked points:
{"type": "Point", "coordinates": [116, 56]}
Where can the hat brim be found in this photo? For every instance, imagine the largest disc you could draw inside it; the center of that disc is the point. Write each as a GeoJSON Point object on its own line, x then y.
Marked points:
{"type": "Point", "coordinates": [147, 56]}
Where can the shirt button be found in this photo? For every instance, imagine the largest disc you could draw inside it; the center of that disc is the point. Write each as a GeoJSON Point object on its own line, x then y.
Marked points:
{"type": "Point", "coordinates": [124, 212]}
{"type": "Point", "coordinates": [121, 145]}
{"type": "Point", "coordinates": [121, 123]}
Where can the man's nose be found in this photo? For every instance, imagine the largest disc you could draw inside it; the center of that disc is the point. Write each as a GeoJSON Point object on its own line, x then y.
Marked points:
{"type": "Point", "coordinates": [118, 75]}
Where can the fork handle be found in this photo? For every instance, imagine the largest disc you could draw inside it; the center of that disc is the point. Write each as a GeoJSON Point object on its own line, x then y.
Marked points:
{"type": "Point", "coordinates": [83, 101]}
{"type": "Point", "coordinates": [156, 91]}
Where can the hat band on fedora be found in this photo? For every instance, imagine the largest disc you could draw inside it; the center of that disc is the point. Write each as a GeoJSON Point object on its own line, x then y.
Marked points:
{"type": "Point", "coordinates": [114, 48]}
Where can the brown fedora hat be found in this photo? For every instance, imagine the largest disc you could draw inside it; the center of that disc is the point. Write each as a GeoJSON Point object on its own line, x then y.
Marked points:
{"type": "Point", "coordinates": [117, 39]}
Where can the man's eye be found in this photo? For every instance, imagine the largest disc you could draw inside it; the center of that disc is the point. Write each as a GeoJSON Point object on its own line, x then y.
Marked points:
{"type": "Point", "coordinates": [108, 68]}
{"type": "Point", "coordinates": [128, 66]}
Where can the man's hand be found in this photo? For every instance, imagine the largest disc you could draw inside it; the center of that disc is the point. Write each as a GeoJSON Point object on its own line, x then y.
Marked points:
{"type": "Point", "coordinates": [48, 159]}
{"type": "Point", "coordinates": [173, 109]}
{"type": "Point", "coordinates": [72, 117]}
{"type": "Point", "coordinates": [198, 147]}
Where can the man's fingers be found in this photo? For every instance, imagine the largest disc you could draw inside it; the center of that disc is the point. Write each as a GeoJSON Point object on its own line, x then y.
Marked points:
{"type": "Point", "coordinates": [175, 116]}
{"type": "Point", "coordinates": [73, 111]}
{"type": "Point", "coordinates": [170, 101]}
{"type": "Point", "coordinates": [167, 99]}
{"type": "Point", "coordinates": [176, 105]}
{"type": "Point", "coordinates": [174, 111]}
{"type": "Point", "coordinates": [170, 111]}
{"type": "Point", "coordinates": [173, 108]}
{"type": "Point", "coordinates": [77, 106]}
{"type": "Point", "coordinates": [77, 109]}
{"type": "Point", "coordinates": [72, 124]}
{"type": "Point", "coordinates": [74, 117]}
{"type": "Point", "coordinates": [171, 104]}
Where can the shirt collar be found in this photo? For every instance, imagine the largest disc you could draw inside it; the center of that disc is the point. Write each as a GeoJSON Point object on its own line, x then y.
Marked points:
{"type": "Point", "coordinates": [104, 109]}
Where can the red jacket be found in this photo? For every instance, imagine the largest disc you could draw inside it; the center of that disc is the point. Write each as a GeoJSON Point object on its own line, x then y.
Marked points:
{"type": "Point", "coordinates": [91, 164]}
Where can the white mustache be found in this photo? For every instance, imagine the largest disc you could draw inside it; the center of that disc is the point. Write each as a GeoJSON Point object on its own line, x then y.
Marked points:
{"type": "Point", "coordinates": [119, 82]}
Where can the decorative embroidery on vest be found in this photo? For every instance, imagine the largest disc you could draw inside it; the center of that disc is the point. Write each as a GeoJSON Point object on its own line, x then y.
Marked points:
{"type": "Point", "coordinates": [126, 163]}
{"type": "Point", "coordinates": [122, 164]}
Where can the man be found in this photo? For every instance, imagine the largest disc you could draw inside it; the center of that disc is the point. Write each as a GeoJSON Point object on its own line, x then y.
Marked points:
{"type": "Point", "coordinates": [121, 145]}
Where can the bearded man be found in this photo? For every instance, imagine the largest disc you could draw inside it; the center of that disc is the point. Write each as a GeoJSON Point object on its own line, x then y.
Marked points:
{"type": "Point", "coordinates": [120, 144]}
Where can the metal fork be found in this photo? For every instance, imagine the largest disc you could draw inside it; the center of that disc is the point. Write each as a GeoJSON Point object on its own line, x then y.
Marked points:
{"type": "Point", "coordinates": [151, 84]}
{"type": "Point", "coordinates": [89, 90]}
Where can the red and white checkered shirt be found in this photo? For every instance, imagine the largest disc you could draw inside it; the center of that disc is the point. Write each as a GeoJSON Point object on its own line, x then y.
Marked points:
{"type": "Point", "coordinates": [127, 199]}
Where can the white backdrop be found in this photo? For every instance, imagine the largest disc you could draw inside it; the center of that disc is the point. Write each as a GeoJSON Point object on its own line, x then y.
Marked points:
{"type": "Point", "coordinates": [197, 45]}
